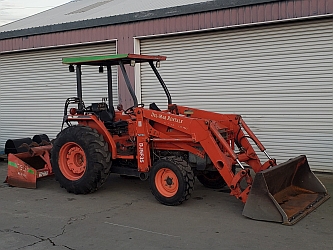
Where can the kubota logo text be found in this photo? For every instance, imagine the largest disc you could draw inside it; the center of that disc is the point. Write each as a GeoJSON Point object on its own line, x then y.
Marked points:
{"type": "Point", "coordinates": [141, 153]}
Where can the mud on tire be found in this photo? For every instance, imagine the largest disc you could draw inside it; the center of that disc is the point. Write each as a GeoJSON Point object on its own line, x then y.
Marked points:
{"type": "Point", "coordinates": [80, 159]}
{"type": "Point", "coordinates": [171, 181]}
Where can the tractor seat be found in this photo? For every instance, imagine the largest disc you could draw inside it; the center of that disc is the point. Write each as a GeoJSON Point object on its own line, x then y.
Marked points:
{"type": "Point", "coordinates": [108, 118]}
{"type": "Point", "coordinates": [116, 124]}
{"type": "Point", "coordinates": [103, 111]}
{"type": "Point", "coordinates": [107, 115]}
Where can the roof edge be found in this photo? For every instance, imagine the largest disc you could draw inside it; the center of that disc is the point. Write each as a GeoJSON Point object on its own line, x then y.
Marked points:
{"type": "Point", "coordinates": [132, 17]}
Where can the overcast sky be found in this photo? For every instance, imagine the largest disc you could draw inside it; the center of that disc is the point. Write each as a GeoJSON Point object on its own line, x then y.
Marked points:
{"type": "Point", "coordinates": [12, 10]}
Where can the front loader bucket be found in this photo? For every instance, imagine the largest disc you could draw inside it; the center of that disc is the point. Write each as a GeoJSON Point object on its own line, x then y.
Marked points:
{"type": "Point", "coordinates": [285, 193]}
{"type": "Point", "coordinates": [25, 168]}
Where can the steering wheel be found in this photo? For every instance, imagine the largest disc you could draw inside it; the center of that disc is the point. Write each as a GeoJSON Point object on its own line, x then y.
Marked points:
{"type": "Point", "coordinates": [130, 110]}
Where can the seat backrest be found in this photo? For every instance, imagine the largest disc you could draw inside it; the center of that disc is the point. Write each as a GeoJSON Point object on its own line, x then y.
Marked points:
{"type": "Point", "coordinates": [107, 115]}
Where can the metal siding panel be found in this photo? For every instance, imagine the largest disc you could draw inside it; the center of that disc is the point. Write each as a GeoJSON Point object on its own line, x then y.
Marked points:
{"type": "Point", "coordinates": [278, 77]}
{"type": "Point", "coordinates": [329, 6]}
{"type": "Point", "coordinates": [248, 14]}
{"type": "Point", "coordinates": [298, 8]}
{"type": "Point", "coordinates": [275, 11]}
{"type": "Point", "coordinates": [268, 12]}
{"type": "Point", "coordinates": [234, 16]}
{"type": "Point", "coordinates": [34, 86]}
{"type": "Point", "coordinates": [202, 18]}
{"type": "Point", "coordinates": [183, 23]}
{"type": "Point", "coordinates": [241, 15]}
{"type": "Point", "coordinates": [321, 7]}
{"type": "Point", "coordinates": [214, 19]}
{"type": "Point", "coordinates": [261, 13]}
{"type": "Point", "coordinates": [290, 9]}
{"type": "Point", "coordinates": [255, 14]}
{"type": "Point", "coordinates": [208, 22]}
{"type": "Point", "coordinates": [151, 27]}
{"type": "Point", "coordinates": [306, 7]}
{"type": "Point", "coordinates": [282, 5]}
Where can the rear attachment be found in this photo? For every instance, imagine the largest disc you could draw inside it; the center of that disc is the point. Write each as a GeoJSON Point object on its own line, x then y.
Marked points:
{"type": "Point", "coordinates": [285, 193]}
{"type": "Point", "coordinates": [22, 155]}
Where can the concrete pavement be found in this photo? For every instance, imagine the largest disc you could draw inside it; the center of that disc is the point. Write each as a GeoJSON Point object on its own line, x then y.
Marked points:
{"type": "Point", "coordinates": [123, 214]}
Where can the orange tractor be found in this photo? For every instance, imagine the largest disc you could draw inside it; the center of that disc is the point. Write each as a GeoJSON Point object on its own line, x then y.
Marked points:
{"type": "Point", "coordinates": [170, 148]}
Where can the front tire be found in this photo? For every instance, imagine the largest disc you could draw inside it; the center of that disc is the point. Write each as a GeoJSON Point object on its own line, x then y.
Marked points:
{"type": "Point", "coordinates": [171, 181]}
{"type": "Point", "coordinates": [80, 159]}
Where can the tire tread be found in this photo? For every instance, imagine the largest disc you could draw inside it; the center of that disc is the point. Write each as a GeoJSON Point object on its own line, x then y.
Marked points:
{"type": "Point", "coordinates": [98, 159]}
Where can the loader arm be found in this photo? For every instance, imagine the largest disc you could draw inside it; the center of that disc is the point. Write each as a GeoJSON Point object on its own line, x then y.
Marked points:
{"type": "Point", "coordinates": [205, 132]}
{"type": "Point", "coordinates": [282, 193]}
{"type": "Point", "coordinates": [242, 134]}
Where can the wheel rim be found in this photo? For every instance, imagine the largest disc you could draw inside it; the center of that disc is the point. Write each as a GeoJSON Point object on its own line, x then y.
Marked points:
{"type": "Point", "coordinates": [72, 161]}
{"type": "Point", "coordinates": [166, 182]}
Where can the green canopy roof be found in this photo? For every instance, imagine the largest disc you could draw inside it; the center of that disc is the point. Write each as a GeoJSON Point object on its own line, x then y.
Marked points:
{"type": "Point", "coordinates": [111, 59]}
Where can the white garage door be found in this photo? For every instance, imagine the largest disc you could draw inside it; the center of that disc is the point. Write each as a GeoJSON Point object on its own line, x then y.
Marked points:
{"type": "Point", "coordinates": [278, 77]}
{"type": "Point", "coordinates": [34, 86]}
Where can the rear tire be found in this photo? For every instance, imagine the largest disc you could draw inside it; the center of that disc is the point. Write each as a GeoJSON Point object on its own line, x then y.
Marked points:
{"type": "Point", "coordinates": [211, 179]}
{"type": "Point", "coordinates": [171, 181]}
{"type": "Point", "coordinates": [80, 159]}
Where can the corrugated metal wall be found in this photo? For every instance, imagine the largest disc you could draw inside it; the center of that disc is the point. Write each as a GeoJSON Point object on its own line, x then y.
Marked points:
{"type": "Point", "coordinates": [35, 85]}
{"type": "Point", "coordinates": [279, 78]}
